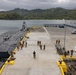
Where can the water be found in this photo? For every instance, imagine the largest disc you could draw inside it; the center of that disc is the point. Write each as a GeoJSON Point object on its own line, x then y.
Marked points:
{"type": "Point", "coordinates": [7, 25]}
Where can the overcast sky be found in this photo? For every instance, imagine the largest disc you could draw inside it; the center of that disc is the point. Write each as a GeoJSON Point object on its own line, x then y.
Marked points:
{"type": "Point", "coordinates": [33, 4]}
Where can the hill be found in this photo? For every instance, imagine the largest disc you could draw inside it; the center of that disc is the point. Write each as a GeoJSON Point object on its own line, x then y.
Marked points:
{"type": "Point", "coordinates": [52, 13]}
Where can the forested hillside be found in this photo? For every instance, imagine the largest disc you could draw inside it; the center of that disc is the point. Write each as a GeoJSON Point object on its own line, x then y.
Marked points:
{"type": "Point", "coordinates": [52, 13]}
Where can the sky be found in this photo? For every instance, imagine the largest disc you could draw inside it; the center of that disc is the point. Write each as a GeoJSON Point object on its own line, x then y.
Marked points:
{"type": "Point", "coordinates": [34, 4]}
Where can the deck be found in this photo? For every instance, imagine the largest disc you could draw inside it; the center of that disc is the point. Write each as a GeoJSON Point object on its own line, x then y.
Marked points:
{"type": "Point", "coordinates": [45, 62]}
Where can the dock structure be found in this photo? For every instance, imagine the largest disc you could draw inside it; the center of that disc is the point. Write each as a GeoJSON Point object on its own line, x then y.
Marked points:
{"type": "Point", "coordinates": [43, 64]}
{"type": "Point", "coordinates": [45, 60]}
{"type": "Point", "coordinates": [67, 63]}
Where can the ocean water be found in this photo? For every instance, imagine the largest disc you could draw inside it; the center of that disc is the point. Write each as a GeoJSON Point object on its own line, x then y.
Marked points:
{"type": "Point", "coordinates": [7, 25]}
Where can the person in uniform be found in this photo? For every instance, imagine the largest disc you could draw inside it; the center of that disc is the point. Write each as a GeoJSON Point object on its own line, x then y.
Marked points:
{"type": "Point", "coordinates": [40, 47]}
{"type": "Point", "coordinates": [43, 47]}
{"type": "Point", "coordinates": [34, 54]}
{"type": "Point", "coordinates": [71, 53]}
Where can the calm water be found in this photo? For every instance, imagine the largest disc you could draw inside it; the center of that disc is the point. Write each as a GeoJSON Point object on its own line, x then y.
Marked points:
{"type": "Point", "coordinates": [7, 25]}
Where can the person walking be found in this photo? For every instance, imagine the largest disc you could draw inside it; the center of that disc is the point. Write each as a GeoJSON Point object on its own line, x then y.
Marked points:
{"type": "Point", "coordinates": [40, 47]}
{"type": "Point", "coordinates": [68, 52]}
{"type": "Point", "coordinates": [18, 47]}
{"type": "Point", "coordinates": [65, 53]}
{"type": "Point", "coordinates": [34, 54]}
{"type": "Point", "coordinates": [11, 54]}
{"type": "Point", "coordinates": [25, 44]}
{"type": "Point", "coordinates": [21, 46]}
{"type": "Point", "coordinates": [71, 53]}
{"type": "Point", "coordinates": [56, 41]}
{"type": "Point", "coordinates": [43, 47]}
{"type": "Point", "coordinates": [37, 43]}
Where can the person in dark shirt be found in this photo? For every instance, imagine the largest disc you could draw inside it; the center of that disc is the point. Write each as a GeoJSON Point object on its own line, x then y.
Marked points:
{"type": "Point", "coordinates": [34, 54]}
{"type": "Point", "coordinates": [43, 47]}
{"type": "Point", "coordinates": [68, 52]}
{"type": "Point", "coordinates": [26, 44]}
{"type": "Point", "coordinates": [40, 47]}
{"type": "Point", "coordinates": [71, 53]}
{"type": "Point", "coordinates": [37, 43]}
{"type": "Point", "coordinates": [65, 54]}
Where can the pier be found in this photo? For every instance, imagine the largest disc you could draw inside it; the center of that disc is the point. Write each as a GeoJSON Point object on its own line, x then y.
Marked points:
{"type": "Point", "coordinates": [45, 62]}
{"type": "Point", "coordinates": [46, 59]}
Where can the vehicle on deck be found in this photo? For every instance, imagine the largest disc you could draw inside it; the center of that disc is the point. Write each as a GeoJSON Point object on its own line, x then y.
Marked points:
{"type": "Point", "coordinates": [73, 32]}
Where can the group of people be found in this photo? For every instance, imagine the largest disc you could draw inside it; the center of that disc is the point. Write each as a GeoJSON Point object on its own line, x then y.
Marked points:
{"type": "Point", "coordinates": [57, 41]}
{"type": "Point", "coordinates": [21, 45]}
{"type": "Point", "coordinates": [65, 52]}
{"type": "Point", "coordinates": [42, 47]}
{"type": "Point", "coordinates": [69, 53]}
{"type": "Point", "coordinates": [24, 44]}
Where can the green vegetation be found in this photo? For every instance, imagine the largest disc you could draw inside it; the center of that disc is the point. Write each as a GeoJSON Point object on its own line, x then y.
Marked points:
{"type": "Point", "coordinates": [52, 13]}
{"type": "Point", "coordinates": [11, 16]}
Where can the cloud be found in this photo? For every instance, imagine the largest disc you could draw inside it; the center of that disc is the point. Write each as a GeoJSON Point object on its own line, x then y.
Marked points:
{"type": "Point", "coordinates": [32, 4]}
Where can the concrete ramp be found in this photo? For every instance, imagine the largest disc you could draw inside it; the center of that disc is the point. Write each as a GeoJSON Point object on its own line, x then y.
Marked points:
{"type": "Point", "coordinates": [40, 71]}
{"type": "Point", "coordinates": [45, 62]}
